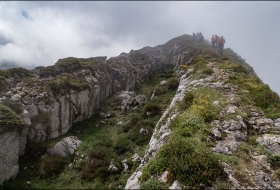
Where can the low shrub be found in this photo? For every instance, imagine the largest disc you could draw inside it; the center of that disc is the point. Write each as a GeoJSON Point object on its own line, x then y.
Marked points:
{"type": "Point", "coordinates": [187, 160]}
{"type": "Point", "coordinates": [207, 71]}
{"type": "Point", "coordinates": [210, 52]}
{"type": "Point", "coordinates": [123, 145]}
{"type": "Point", "coordinates": [274, 160]}
{"type": "Point", "coordinates": [173, 83]}
{"type": "Point", "coordinates": [52, 164]}
{"type": "Point", "coordinates": [188, 99]}
{"type": "Point", "coordinates": [153, 184]}
{"type": "Point", "coordinates": [97, 165]}
{"type": "Point", "coordinates": [152, 108]}
{"type": "Point", "coordinates": [159, 90]}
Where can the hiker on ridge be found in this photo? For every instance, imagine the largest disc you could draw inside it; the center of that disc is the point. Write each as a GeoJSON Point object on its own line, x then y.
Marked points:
{"type": "Point", "coordinates": [216, 42]}
{"type": "Point", "coordinates": [213, 41]}
{"type": "Point", "coordinates": [221, 42]}
{"type": "Point", "coordinates": [193, 37]}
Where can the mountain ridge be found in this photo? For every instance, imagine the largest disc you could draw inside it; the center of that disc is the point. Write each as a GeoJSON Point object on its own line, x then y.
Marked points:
{"type": "Point", "coordinates": [50, 99]}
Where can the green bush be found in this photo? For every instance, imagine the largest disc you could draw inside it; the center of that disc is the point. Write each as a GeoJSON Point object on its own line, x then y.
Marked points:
{"type": "Point", "coordinates": [159, 90]}
{"type": "Point", "coordinates": [187, 160]}
{"type": "Point", "coordinates": [188, 99]}
{"type": "Point", "coordinates": [264, 97]}
{"type": "Point", "coordinates": [98, 161]}
{"type": "Point", "coordinates": [134, 133]}
{"type": "Point", "coordinates": [152, 108]}
{"type": "Point", "coordinates": [207, 71]}
{"type": "Point", "coordinates": [153, 184]}
{"type": "Point", "coordinates": [132, 122]}
{"type": "Point", "coordinates": [173, 83]}
{"type": "Point", "coordinates": [274, 160]}
{"type": "Point", "coordinates": [53, 164]}
{"type": "Point", "coordinates": [123, 145]}
{"type": "Point", "coordinates": [210, 52]}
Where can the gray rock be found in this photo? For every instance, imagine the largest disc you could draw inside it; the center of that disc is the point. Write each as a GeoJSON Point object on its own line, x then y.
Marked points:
{"type": "Point", "coordinates": [144, 131]}
{"type": "Point", "coordinates": [16, 98]}
{"type": "Point", "coordinates": [176, 185]}
{"type": "Point", "coordinates": [66, 147]}
{"type": "Point", "coordinates": [9, 152]}
{"type": "Point", "coordinates": [125, 165]}
{"type": "Point", "coordinates": [112, 168]}
{"type": "Point", "coordinates": [163, 83]}
{"type": "Point", "coordinates": [265, 181]}
{"type": "Point", "coordinates": [133, 181]}
{"type": "Point", "coordinates": [163, 177]}
{"type": "Point", "coordinates": [271, 143]}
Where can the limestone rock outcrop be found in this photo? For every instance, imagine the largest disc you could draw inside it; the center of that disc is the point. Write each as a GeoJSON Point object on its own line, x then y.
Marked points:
{"type": "Point", "coordinates": [66, 147]}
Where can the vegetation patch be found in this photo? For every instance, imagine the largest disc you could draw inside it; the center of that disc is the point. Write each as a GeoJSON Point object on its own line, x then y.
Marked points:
{"type": "Point", "coordinates": [52, 164]}
{"type": "Point", "coordinates": [153, 184]}
{"type": "Point", "coordinates": [9, 120]}
{"type": "Point", "coordinates": [61, 85]}
{"type": "Point", "coordinates": [187, 155]}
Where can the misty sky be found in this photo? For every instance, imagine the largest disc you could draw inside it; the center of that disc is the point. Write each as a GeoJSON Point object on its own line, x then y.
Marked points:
{"type": "Point", "coordinates": [40, 33]}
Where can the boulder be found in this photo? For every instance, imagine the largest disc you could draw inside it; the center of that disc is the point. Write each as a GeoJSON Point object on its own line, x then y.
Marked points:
{"type": "Point", "coordinates": [112, 167]}
{"type": "Point", "coordinates": [271, 143]}
{"type": "Point", "coordinates": [125, 165]}
{"type": "Point", "coordinates": [66, 147]}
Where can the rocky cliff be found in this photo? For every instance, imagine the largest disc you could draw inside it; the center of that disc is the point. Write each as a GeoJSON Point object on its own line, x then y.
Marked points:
{"type": "Point", "coordinates": [50, 99]}
{"type": "Point", "coordinates": [220, 108]}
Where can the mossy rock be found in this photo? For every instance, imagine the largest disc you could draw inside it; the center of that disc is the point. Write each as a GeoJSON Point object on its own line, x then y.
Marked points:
{"type": "Point", "coordinates": [9, 120]}
{"type": "Point", "coordinates": [69, 64]}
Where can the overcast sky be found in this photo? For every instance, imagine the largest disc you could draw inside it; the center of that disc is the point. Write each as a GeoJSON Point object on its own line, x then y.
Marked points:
{"type": "Point", "coordinates": [40, 33]}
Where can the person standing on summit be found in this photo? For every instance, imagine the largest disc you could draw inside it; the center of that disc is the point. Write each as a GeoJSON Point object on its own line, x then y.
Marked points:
{"type": "Point", "coordinates": [213, 41]}
{"type": "Point", "coordinates": [221, 42]}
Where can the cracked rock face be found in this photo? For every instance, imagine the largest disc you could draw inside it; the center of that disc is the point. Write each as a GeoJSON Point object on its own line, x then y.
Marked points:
{"type": "Point", "coordinates": [232, 131]}
{"type": "Point", "coordinates": [66, 147]}
{"type": "Point", "coordinates": [271, 143]}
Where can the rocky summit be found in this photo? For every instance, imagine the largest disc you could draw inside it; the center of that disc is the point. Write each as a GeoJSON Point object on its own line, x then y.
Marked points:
{"type": "Point", "coordinates": [173, 116]}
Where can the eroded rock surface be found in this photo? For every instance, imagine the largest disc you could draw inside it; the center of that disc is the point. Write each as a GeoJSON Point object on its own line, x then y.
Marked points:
{"type": "Point", "coordinates": [66, 147]}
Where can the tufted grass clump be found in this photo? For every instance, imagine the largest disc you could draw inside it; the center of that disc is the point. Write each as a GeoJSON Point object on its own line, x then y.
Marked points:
{"type": "Point", "coordinates": [53, 164]}
{"type": "Point", "coordinates": [173, 83]}
{"type": "Point", "coordinates": [153, 184]}
{"type": "Point", "coordinates": [211, 53]}
{"type": "Point", "coordinates": [152, 108]}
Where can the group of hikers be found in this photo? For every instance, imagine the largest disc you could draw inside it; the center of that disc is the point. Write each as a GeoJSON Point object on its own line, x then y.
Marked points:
{"type": "Point", "coordinates": [218, 42]}
{"type": "Point", "coordinates": [198, 37]}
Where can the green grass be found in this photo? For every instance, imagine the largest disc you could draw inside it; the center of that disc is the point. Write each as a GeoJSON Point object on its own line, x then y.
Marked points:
{"type": "Point", "coordinates": [61, 85]}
